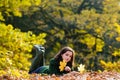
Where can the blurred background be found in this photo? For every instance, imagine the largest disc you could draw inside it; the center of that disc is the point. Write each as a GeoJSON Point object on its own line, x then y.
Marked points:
{"type": "Point", "coordinates": [90, 27]}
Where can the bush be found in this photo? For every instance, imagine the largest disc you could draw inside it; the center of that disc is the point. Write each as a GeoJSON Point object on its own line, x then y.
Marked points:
{"type": "Point", "coordinates": [16, 47]}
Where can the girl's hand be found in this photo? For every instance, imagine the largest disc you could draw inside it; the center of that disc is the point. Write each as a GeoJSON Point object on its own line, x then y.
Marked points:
{"type": "Point", "coordinates": [67, 68]}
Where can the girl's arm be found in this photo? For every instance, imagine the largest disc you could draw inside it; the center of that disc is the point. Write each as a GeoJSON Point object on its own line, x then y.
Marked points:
{"type": "Point", "coordinates": [54, 67]}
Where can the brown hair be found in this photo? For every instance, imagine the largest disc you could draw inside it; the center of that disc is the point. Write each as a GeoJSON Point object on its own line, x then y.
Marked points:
{"type": "Point", "coordinates": [58, 56]}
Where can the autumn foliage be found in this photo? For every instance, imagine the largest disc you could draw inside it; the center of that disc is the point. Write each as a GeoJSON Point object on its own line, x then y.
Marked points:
{"type": "Point", "coordinates": [16, 47]}
{"type": "Point", "coordinates": [70, 76]}
{"type": "Point", "coordinates": [90, 27]}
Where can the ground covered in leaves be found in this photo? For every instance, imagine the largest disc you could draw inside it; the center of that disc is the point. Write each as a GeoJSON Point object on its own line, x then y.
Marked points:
{"type": "Point", "coordinates": [70, 76]}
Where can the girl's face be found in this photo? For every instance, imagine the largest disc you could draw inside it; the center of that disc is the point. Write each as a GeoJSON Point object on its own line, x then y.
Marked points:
{"type": "Point", "coordinates": [67, 56]}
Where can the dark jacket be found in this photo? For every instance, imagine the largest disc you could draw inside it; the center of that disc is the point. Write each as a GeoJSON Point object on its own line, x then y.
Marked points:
{"type": "Point", "coordinates": [53, 68]}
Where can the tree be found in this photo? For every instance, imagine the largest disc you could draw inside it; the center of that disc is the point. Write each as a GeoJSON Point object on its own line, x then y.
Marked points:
{"type": "Point", "coordinates": [91, 27]}
{"type": "Point", "coordinates": [16, 45]}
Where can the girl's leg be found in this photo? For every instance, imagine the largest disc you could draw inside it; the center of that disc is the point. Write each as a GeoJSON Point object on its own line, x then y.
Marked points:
{"type": "Point", "coordinates": [41, 70]}
{"type": "Point", "coordinates": [38, 70]}
{"type": "Point", "coordinates": [38, 59]}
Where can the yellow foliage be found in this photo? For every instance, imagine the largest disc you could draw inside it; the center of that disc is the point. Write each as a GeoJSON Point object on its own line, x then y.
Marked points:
{"type": "Point", "coordinates": [15, 73]}
{"type": "Point", "coordinates": [16, 47]}
{"type": "Point", "coordinates": [17, 13]}
{"type": "Point", "coordinates": [99, 45]}
{"type": "Point", "coordinates": [89, 40]}
{"type": "Point", "coordinates": [16, 7]}
{"type": "Point", "coordinates": [1, 17]}
{"type": "Point", "coordinates": [116, 52]}
{"type": "Point", "coordinates": [109, 66]}
{"type": "Point", "coordinates": [98, 30]}
{"type": "Point", "coordinates": [117, 27]}
{"type": "Point", "coordinates": [2, 72]}
{"type": "Point", "coordinates": [118, 39]}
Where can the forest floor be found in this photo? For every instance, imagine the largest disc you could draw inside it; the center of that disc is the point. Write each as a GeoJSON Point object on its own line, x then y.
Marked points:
{"type": "Point", "coordinates": [70, 76]}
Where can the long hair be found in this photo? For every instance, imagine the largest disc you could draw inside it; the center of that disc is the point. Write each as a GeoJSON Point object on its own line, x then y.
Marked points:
{"type": "Point", "coordinates": [58, 56]}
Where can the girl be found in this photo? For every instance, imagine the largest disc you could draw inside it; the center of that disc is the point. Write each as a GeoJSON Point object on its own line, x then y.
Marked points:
{"type": "Point", "coordinates": [62, 63]}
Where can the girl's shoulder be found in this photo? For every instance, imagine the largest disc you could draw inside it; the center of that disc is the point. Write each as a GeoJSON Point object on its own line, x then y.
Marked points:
{"type": "Point", "coordinates": [53, 61]}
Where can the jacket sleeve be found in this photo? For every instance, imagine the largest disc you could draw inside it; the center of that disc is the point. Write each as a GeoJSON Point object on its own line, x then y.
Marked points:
{"type": "Point", "coordinates": [54, 67]}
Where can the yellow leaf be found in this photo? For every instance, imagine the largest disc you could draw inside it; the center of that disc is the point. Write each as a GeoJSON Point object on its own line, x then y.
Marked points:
{"type": "Point", "coordinates": [118, 38]}
{"type": "Point", "coordinates": [81, 68]}
{"type": "Point", "coordinates": [62, 65]}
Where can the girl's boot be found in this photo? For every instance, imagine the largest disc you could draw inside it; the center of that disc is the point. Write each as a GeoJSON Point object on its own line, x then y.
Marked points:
{"type": "Point", "coordinates": [38, 59]}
